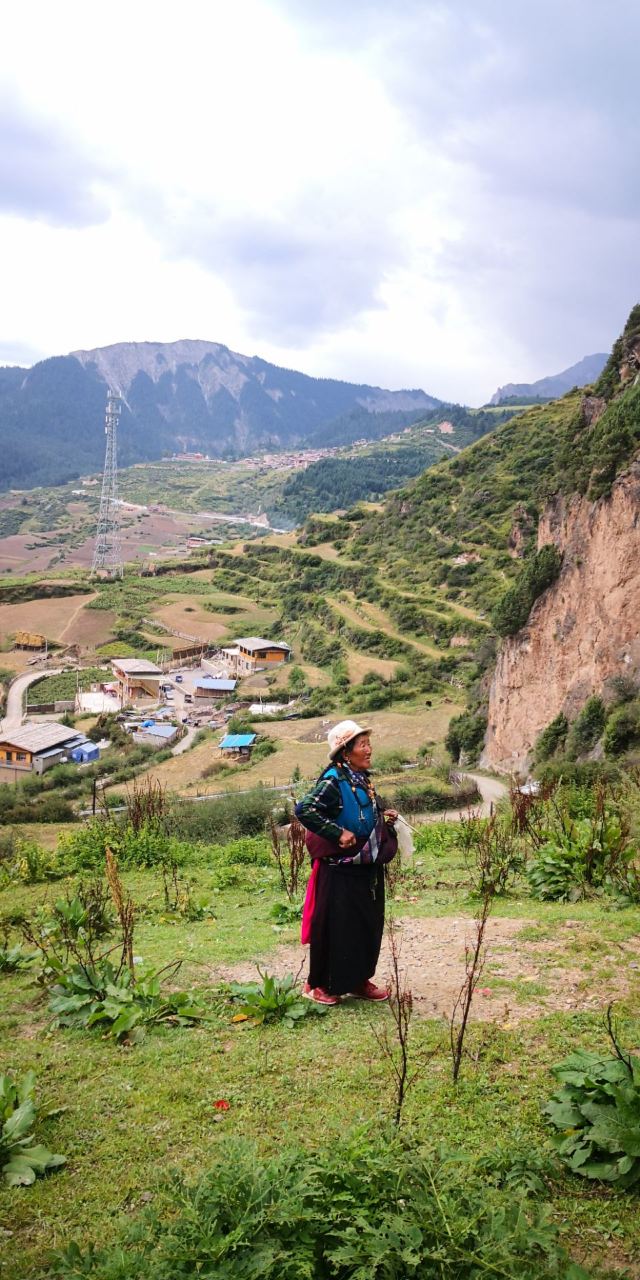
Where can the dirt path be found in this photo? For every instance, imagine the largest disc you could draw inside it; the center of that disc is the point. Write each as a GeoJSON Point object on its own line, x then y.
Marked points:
{"type": "Point", "coordinates": [85, 601]}
{"type": "Point", "coordinates": [432, 955]}
{"type": "Point", "coordinates": [492, 792]}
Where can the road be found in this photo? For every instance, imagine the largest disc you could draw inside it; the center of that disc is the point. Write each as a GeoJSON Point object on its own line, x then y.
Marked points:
{"type": "Point", "coordinates": [491, 790]}
{"type": "Point", "coordinates": [185, 743]}
{"type": "Point", "coordinates": [15, 696]}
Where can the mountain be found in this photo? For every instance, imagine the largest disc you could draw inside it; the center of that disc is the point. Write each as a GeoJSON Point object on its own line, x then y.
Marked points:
{"type": "Point", "coordinates": [187, 396]}
{"type": "Point", "coordinates": [579, 375]}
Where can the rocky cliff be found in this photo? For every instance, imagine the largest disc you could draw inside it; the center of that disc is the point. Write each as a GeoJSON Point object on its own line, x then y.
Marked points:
{"type": "Point", "coordinates": [581, 632]}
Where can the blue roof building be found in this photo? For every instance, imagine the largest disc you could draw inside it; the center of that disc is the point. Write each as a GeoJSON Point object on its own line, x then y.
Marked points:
{"type": "Point", "coordinates": [238, 741]}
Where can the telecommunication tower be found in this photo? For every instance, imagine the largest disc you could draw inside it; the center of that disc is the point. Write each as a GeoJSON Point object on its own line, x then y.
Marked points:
{"type": "Point", "coordinates": [107, 555]}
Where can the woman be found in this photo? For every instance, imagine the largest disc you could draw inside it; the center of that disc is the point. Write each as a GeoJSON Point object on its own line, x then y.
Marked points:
{"type": "Point", "coordinates": [349, 838]}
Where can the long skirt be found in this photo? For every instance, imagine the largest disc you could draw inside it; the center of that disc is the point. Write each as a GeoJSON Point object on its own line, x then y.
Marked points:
{"type": "Point", "coordinates": [347, 925]}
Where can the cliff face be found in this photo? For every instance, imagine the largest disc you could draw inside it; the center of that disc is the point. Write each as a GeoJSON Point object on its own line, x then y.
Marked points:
{"type": "Point", "coordinates": [582, 631]}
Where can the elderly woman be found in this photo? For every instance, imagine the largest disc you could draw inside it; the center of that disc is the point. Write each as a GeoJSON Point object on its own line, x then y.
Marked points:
{"type": "Point", "coordinates": [350, 838]}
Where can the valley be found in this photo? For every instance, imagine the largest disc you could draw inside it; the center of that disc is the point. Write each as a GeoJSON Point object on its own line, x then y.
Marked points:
{"type": "Point", "coordinates": [481, 608]}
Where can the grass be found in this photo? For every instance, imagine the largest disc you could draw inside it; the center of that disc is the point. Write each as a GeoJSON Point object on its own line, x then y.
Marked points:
{"type": "Point", "coordinates": [129, 1115]}
{"type": "Point", "coordinates": [303, 743]}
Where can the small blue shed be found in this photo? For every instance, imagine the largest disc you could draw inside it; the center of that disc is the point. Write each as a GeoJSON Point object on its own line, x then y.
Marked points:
{"type": "Point", "coordinates": [85, 752]}
{"type": "Point", "coordinates": [241, 742]}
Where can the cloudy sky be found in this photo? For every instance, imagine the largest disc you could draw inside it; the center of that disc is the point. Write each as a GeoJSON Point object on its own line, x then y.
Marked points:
{"type": "Point", "coordinates": [414, 193]}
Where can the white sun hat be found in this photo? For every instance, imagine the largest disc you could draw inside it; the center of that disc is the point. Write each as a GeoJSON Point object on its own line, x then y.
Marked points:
{"type": "Point", "coordinates": [341, 734]}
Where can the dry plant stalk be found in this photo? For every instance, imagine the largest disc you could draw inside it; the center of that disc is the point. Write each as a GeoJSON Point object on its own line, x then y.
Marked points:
{"type": "Point", "coordinates": [297, 853]}
{"type": "Point", "coordinates": [125, 909]}
{"type": "Point", "coordinates": [289, 860]}
{"type": "Point", "coordinates": [147, 804]}
{"type": "Point", "coordinates": [393, 1041]}
{"type": "Point", "coordinates": [474, 962]}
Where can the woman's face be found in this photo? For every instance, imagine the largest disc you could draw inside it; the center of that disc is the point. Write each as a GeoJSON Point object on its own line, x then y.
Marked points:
{"type": "Point", "coordinates": [358, 753]}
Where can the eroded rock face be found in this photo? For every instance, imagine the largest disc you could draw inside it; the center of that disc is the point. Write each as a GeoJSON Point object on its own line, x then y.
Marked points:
{"type": "Point", "coordinates": [582, 631]}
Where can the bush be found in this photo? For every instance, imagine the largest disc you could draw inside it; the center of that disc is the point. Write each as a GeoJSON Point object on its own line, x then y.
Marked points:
{"type": "Point", "coordinates": [586, 728]}
{"type": "Point", "coordinates": [552, 739]}
{"type": "Point", "coordinates": [583, 853]}
{"type": "Point", "coordinates": [428, 797]}
{"type": "Point", "coordinates": [597, 1116]}
{"type": "Point", "coordinates": [218, 820]}
{"type": "Point", "coordinates": [466, 734]}
{"type": "Point", "coordinates": [512, 611]}
{"type": "Point", "coordinates": [358, 1210]}
{"type": "Point", "coordinates": [623, 729]}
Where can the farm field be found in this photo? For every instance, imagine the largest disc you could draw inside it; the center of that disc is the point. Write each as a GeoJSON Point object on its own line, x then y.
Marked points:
{"type": "Point", "coordinates": [300, 743]}
{"type": "Point", "coordinates": [126, 1117]}
{"type": "Point", "coordinates": [53, 617]}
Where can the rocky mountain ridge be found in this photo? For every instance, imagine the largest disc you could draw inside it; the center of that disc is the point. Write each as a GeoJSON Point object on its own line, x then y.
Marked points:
{"type": "Point", "coordinates": [187, 396]}
{"type": "Point", "coordinates": [557, 384]}
{"type": "Point", "coordinates": [581, 633]}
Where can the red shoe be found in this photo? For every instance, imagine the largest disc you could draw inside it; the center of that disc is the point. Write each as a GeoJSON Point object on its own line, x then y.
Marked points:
{"type": "Point", "coordinates": [369, 991]}
{"type": "Point", "coordinates": [319, 995]}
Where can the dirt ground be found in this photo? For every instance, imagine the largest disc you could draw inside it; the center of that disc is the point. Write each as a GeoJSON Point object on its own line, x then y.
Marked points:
{"type": "Point", "coordinates": [50, 617]}
{"type": "Point", "coordinates": [302, 743]}
{"type": "Point", "coordinates": [432, 952]}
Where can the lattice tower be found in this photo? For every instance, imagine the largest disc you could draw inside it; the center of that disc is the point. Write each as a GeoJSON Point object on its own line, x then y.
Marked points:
{"type": "Point", "coordinates": [107, 555]}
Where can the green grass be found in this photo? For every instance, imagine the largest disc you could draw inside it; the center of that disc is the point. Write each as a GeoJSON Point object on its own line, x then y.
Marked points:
{"type": "Point", "coordinates": [133, 1113]}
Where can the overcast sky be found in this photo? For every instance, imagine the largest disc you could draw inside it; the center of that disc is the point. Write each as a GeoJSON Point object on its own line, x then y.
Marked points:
{"type": "Point", "coordinates": [408, 193]}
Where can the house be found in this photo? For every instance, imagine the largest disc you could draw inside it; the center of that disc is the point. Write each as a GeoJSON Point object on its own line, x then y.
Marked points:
{"type": "Point", "coordinates": [136, 677]}
{"type": "Point", "coordinates": [252, 653]}
{"type": "Point", "coordinates": [34, 748]}
{"type": "Point", "coordinates": [152, 734]}
{"type": "Point", "coordinates": [239, 744]}
{"type": "Point", "coordinates": [86, 752]}
{"type": "Point", "coordinates": [214, 689]}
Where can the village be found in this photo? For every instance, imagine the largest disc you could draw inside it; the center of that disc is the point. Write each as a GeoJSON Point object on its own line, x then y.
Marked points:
{"type": "Point", "coordinates": [160, 706]}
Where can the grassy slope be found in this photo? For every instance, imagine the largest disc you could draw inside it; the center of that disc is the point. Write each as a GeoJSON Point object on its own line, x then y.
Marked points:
{"type": "Point", "coordinates": [130, 1115]}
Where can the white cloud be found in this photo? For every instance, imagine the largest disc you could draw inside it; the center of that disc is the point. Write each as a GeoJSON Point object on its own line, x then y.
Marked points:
{"type": "Point", "coordinates": [435, 194]}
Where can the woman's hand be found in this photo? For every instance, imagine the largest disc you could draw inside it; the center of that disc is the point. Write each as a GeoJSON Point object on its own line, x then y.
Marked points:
{"type": "Point", "coordinates": [347, 840]}
{"type": "Point", "coordinates": [390, 816]}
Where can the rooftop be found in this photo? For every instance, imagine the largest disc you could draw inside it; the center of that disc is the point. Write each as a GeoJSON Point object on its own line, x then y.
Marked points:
{"type": "Point", "coordinates": [40, 737]}
{"type": "Point", "coordinates": [136, 667]}
{"type": "Point", "coordinates": [257, 642]}
{"type": "Point", "coordinates": [158, 730]}
{"type": "Point", "coordinates": [211, 682]}
{"type": "Point", "coordinates": [233, 741]}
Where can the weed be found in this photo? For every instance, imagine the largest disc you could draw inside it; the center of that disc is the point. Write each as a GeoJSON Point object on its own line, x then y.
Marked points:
{"type": "Point", "coordinates": [20, 1159]}
{"type": "Point", "coordinates": [272, 1000]}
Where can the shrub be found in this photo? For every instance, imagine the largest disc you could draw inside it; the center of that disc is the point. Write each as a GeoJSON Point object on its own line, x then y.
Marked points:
{"type": "Point", "coordinates": [582, 854]}
{"type": "Point", "coordinates": [364, 1209]}
{"type": "Point", "coordinates": [623, 729]}
{"type": "Point", "coordinates": [428, 797]}
{"type": "Point", "coordinates": [227, 817]}
{"type": "Point", "coordinates": [586, 728]}
{"type": "Point", "coordinates": [466, 734]}
{"type": "Point", "coordinates": [512, 611]}
{"type": "Point", "coordinates": [597, 1116]}
{"type": "Point", "coordinates": [552, 739]}
{"type": "Point", "coordinates": [390, 761]}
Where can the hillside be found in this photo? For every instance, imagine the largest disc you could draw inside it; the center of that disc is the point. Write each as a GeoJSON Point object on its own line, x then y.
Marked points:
{"type": "Point", "coordinates": [178, 397]}
{"type": "Point", "coordinates": [578, 375]}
